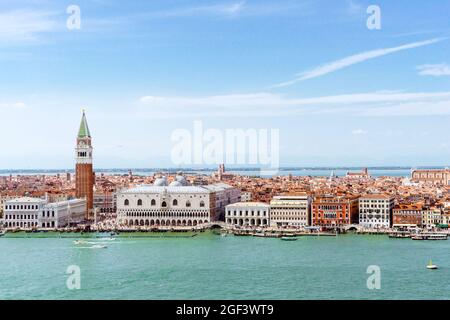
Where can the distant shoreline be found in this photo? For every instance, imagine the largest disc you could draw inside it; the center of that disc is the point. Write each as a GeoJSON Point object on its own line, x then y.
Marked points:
{"type": "Point", "coordinates": [229, 169]}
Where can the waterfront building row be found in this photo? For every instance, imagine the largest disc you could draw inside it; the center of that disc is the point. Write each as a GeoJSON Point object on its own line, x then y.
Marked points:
{"type": "Point", "coordinates": [418, 215]}
{"type": "Point", "coordinates": [27, 212]}
{"type": "Point", "coordinates": [283, 211]}
{"type": "Point", "coordinates": [372, 211]}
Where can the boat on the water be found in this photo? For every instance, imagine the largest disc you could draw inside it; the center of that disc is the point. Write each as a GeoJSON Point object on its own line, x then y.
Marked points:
{"type": "Point", "coordinates": [430, 236]}
{"type": "Point", "coordinates": [400, 234]}
{"type": "Point", "coordinates": [99, 246]}
{"type": "Point", "coordinates": [259, 234]}
{"type": "Point", "coordinates": [431, 265]}
{"type": "Point", "coordinates": [288, 238]}
{"type": "Point", "coordinates": [2, 233]}
{"type": "Point", "coordinates": [77, 242]}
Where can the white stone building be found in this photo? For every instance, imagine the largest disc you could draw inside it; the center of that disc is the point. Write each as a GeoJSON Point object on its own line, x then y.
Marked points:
{"type": "Point", "coordinates": [290, 210]}
{"type": "Point", "coordinates": [248, 214]}
{"type": "Point", "coordinates": [22, 212]}
{"type": "Point", "coordinates": [26, 212]}
{"type": "Point", "coordinates": [3, 199]}
{"type": "Point", "coordinates": [431, 218]}
{"type": "Point", "coordinates": [174, 204]}
{"type": "Point", "coordinates": [375, 211]}
{"type": "Point", "coordinates": [63, 213]}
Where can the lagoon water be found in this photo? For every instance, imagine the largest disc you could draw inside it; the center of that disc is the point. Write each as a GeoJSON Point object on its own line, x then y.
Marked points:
{"type": "Point", "coordinates": [209, 266]}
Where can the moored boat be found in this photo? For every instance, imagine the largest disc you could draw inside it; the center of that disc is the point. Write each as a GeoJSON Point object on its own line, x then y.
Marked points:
{"type": "Point", "coordinates": [259, 234]}
{"type": "Point", "coordinates": [289, 238]}
{"type": "Point", "coordinates": [430, 236]}
{"type": "Point", "coordinates": [400, 234]}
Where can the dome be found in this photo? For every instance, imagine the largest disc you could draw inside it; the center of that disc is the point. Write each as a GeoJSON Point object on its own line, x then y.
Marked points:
{"type": "Point", "coordinates": [160, 182]}
{"type": "Point", "coordinates": [181, 179]}
{"type": "Point", "coordinates": [175, 184]}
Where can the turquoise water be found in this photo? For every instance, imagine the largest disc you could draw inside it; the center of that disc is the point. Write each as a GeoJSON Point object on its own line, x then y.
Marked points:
{"type": "Point", "coordinates": [208, 266]}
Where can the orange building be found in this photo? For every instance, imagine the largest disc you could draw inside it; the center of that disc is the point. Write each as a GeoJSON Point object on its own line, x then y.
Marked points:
{"type": "Point", "coordinates": [408, 215]}
{"type": "Point", "coordinates": [84, 176]}
{"type": "Point", "coordinates": [334, 211]}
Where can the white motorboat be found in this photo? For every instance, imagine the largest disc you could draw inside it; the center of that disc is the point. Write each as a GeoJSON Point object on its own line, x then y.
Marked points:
{"type": "Point", "coordinates": [99, 246]}
{"type": "Point", "coordinates": [77, 242]}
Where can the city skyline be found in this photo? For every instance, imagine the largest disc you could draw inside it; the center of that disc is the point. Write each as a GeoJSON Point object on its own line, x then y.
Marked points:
{"type": "Point", "coordinates": [358, 97]}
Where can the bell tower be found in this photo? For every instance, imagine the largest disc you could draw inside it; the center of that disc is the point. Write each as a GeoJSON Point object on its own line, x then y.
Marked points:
{"type": "Point", "coordinates": [84, 175]}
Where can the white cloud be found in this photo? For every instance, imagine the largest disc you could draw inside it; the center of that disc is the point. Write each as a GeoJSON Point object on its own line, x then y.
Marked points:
{"type": "Point", "coordinates": [263, 104]}
{"type": "Point", "coordinates": [436, 70]}
{"type": "Point", "coordinates": [351, 60]}
{"type": "Point", "coordinates": [25, 25]}
{"type": "Point", "coordinates": [358, 132]}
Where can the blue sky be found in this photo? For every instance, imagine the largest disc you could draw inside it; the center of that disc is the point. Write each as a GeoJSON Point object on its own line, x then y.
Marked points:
{"type": "Point", "coordinates": [340, 94]}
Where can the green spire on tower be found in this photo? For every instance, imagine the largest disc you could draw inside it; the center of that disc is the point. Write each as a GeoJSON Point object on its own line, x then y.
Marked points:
{"type": "Point", "coordinates": [84, 129]}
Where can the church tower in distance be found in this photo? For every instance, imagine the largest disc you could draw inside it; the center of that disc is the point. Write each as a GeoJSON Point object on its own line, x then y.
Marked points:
{"type": "Point", "coordinates": [84, 175]}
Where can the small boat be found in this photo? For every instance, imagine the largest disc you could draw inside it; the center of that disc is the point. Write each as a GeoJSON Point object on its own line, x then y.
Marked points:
{"type": "Point", "coordinates": [99, 246]}
{"type": "Point", "coordinates": [80, 242]}
{"type": "Point", "coordinates": [2, 233]}
{"type": "Point", "coordinates": [259, 234]}
{"type": "Point", "coordinates": [288, 238]}
{"type": "Point", "coordinates": [431, 266]}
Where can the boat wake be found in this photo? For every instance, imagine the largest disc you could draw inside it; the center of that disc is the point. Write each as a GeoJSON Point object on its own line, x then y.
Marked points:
{"type": "Point", "coordinates": [96, 246]}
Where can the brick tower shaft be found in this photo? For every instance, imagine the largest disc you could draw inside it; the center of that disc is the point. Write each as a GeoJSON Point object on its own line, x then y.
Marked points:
{"type": "Point", "coordinates": [84, 175]}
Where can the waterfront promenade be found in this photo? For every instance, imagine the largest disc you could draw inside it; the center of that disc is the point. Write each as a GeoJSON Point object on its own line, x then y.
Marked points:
{"type": "Point", "coordinates": [111, 227]}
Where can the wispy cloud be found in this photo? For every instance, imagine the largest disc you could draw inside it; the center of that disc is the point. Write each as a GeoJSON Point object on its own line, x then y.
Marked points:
{"type": "Point", "coordinates": [25, 25]}
{"type": "Point", "coordinates": [352, 60]}
{"type": "Point", "coordinates": [436, 70]}
{"type": "Point", "coordinates": [268, 104]}
{"type": "Point", "coordinates": [227, 9]}
{"type": "Point", "coordinates": [13, 105]}
{"type": "Point", "coordinates": [219, 10]}
{"type": "Point", "coordinates": [233, 9]}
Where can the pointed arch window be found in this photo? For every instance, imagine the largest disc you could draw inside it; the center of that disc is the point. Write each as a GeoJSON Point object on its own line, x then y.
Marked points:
{"type": "Point", "coordinates": [126, 202]}
{"type": "Point", "coordinates": [202, 204]}
{"type": "Point", "coordinates": [175, 202]}
{"type": "Point", "coordinates": [188, 204]}
{"type": "Point", "coordinates": [153, 202]}
{"type": "Point", "coordinates": [139, 202]}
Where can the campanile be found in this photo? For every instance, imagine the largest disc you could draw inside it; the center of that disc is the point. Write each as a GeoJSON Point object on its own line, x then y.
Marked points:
{"type": "Point", "coordinates": [84, 175]}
